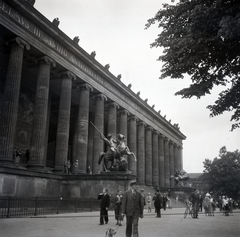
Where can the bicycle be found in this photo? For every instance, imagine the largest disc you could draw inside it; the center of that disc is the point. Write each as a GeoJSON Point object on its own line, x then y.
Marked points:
{"type": "Point", "coordinates": [189, 209]}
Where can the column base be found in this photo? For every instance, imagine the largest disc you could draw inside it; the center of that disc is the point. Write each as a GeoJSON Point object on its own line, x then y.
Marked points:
{"type": "Point", "coordinates": [81, 172]}
{"type": "Point", "coordinates": [35, 167]}
{"type": "Point", "coordinates": [59, 170]}
{"type": "Point", "coordinates": [116, 172]}
{"type": "Point", "coordinates": [7, 162]}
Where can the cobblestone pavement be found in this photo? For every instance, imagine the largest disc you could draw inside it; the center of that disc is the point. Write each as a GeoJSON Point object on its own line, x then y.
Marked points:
{"type": "Point", "coordinates": [171, 224]}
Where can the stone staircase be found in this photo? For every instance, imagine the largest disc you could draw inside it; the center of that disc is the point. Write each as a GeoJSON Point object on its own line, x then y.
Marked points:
{"type": "Point", "coordinates": [152, 190]}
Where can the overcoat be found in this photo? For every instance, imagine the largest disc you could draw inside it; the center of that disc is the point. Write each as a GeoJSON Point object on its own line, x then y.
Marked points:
{"type": "Point", "coordinates": [132, 205]}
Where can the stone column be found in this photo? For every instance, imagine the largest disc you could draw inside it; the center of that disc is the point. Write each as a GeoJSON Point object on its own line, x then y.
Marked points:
{"type": "Point", "coordinates": [166, 163]}
{"type": "Point", "coordinates": [98, 144]}
{"type": "Point", "coordinates": [148, 158]}
{"type": "Point", "coordinates": [161, 161]}
{"type": "Point", "coordinates": [155, 165]}
{"type": "Point", "coordinates": [175, 153]}
{"type": "Point", "coordinates": [141, 152]}
{"type": "Point", "coordinates": [178, 158]}
{"type": "Point", "coordinates": [132, 143]}
{"type": "Point", "coordinates": [37, 146]}
{"type": "Point", "coordinates": [82, 127]}
{"type": "Point", "coordinates": [112, 119]}
{"type": "Point", "coordinates": [74, 132]}
{"type": "Point", "coordinates": [62, 140]}
{"type": "Point", "coordinates": [123, 123]}
{"type": "Point", "coordinates": [171, 159]}
{"type": "Point", "coordinates": [11, 100]}
{"type": "Point", "coordinates": [47, 129]}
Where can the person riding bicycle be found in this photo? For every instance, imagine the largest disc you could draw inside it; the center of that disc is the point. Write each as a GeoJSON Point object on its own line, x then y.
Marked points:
{"type": "Point", "coordinates": [194, 198]}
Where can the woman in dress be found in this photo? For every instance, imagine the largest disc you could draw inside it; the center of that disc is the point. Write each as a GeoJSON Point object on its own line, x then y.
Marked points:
{"type": "Point", "coordinates": [208, 205]}
{"type": "Point", "coordinates": [118, 207]}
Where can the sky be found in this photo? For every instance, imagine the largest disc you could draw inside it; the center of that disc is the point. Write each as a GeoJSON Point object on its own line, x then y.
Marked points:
{"type": "Point", "coordinates": [115, 30]}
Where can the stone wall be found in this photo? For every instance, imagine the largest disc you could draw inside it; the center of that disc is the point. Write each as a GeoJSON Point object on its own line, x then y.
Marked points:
{"type": "Point", "coordinates": [24, 183]}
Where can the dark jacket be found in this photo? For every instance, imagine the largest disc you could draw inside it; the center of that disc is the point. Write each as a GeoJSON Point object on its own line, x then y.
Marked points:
{"type": "Point", "coordinates": [132, 205]}
{"type": "Point", "coordinates": [105, 200]}
{"type": "Point", "coordinates": [158, 201]}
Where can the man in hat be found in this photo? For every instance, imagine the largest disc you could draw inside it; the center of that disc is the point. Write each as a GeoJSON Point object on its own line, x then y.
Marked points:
{"type": "Point", "coordinates": [132, 207]}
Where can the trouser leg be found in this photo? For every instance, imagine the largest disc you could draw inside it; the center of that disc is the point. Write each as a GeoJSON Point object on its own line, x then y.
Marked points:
{"type": "Point", "coordinates": [129, 226]}
{"type": "Point", "coordinates": [135, 226]}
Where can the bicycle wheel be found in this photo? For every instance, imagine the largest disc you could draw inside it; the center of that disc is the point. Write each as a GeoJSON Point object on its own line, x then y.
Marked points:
{"type": "Point", "coordinates": [186, 212]}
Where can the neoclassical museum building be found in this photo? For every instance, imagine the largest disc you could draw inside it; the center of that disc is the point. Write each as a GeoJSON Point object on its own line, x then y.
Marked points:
{"type": "Point", "coordinates": [51, 91]}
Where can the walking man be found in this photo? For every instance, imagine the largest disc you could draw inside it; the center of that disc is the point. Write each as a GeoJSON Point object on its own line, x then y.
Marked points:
{"type": "Point", "coordinates": [105, 202]}
{"type": "Point", "coordinates": [132, 207]}
{"type": "Point", "coordinates": [158, 203]}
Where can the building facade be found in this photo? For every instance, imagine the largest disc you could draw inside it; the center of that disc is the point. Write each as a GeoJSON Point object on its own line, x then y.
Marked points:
{"type": "Point", "coordinates": [50, 91]}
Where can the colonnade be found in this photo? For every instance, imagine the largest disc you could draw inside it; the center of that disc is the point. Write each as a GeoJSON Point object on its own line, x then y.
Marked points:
{"type": "Point", "coordinates": [157, 156]}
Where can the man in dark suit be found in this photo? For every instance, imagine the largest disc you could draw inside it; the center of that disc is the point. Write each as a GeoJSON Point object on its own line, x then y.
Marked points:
{"type": "Point", "coordinates": [105, 202]}
{"type": "Point", "coordinates": [132, 207]}
{"type": "Point", "coordinates": [158, 203]}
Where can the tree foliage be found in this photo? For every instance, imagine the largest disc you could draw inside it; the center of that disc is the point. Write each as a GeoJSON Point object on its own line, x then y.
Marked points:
{"type": "Point", "coordinates": [223, 174]}
{"type": "Point", "coordinates": [201, 38]}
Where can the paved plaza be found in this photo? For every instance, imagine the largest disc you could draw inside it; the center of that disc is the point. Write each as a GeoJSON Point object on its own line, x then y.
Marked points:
{"type": "Point", "coordinates": [172, 224]}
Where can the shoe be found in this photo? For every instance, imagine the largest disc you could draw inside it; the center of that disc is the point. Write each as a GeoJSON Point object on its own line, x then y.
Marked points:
{"type": "Point", "coordinates": [106, 222]}
{"type": "Point", "coordinates": [100, 224]}
{"type": "Point", "coordinates": [120, 224]}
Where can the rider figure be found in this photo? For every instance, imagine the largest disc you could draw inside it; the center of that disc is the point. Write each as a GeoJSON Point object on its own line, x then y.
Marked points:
{"type": "Point", "coordinates": [112, 145]}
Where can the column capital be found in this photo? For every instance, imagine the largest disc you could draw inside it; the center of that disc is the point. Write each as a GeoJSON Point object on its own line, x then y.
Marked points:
{"type": "Point", "coordinates": [46, 60]}
{"type": "Point", "coordinates": [113, 104]}
{"type": "Point", "coordinates": [161, 135]}
{"type": "Point", "coordinates": [18, 41]}
{"type": "Point", "coordinates": [142, 123]}
{"type": "Point", "coordinates": [68, 75]}
{"type": "Point", "coordinates": [101, 97]}
{"type": "Point", "coordinates": [85, 86]}
{"type": "Point", "coordinates": [175, 144]}
{"type": "Point", "coordinates": [123, 111]}
{"type": "Point", "coordinates": [156, 132]}
{"type": "Point", "coordinates": [133, 117]}
{"type": "Point", "coordinates": [167, 139]}
{"type": "Point", "coordinates": [179, 147]}
{"type": "Point", "coordinates": [149, 128]}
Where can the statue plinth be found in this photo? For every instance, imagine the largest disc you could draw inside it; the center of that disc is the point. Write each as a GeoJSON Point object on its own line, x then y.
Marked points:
{"type": "Point", "coordinates": [116, 172]}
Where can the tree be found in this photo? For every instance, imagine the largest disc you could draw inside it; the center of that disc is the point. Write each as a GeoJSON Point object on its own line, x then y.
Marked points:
{"type": "Point", "coordinates": [223, 174]}
{"type": "Point", "coordinates": [201, 38]}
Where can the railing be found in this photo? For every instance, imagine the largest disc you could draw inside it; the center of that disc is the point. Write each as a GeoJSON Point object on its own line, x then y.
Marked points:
{"type": "Point", "coordinates": [22, 206]}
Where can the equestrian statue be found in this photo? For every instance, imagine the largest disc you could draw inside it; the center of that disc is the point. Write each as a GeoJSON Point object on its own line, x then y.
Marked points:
{"type": "Point", "coordinates": [181, 178]}
{"type": "Point", "coordinates": [113, 159]}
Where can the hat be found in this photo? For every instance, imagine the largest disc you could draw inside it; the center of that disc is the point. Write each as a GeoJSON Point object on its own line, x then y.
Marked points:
{"type": "Point", "coordinates": [132, 182]}
{"type": "Point", "coordinates": [208, 195]}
